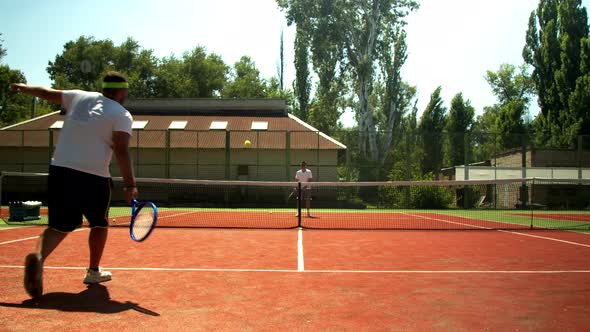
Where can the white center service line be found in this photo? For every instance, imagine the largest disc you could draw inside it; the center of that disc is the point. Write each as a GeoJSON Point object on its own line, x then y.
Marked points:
{"type": "Point", "coordinates": [300, 265]}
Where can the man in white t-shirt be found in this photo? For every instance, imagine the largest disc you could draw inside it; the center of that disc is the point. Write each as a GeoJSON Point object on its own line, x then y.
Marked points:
{"type": "Point", "coordinates": [95, 126]}
{"type": "Point", "coordinates": [304, 175]}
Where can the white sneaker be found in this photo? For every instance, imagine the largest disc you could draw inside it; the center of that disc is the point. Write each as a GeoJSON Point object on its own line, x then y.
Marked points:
{"type": "Point", "coordinates": [95, 277]}
{"type": "Point", "coordinates": [33, 280]}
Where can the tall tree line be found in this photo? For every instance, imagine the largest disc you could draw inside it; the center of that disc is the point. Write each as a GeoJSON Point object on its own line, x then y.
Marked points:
{"type": "Point", "coordinates": [558, 50]}
{"type": "Point", "coordinates": [359, 48]}
{"type": "Point", "coordinates": [195, 73]}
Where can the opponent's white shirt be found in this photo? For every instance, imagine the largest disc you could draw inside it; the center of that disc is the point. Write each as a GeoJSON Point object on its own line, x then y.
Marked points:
{"type": "Point", "coordinates": [304, 176]}
{"type": "Point", "coordinates": [86, 140]}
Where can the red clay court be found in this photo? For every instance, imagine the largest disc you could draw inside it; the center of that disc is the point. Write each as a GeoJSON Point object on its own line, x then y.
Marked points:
{"type": "Point", "coordinates": [306, 279]}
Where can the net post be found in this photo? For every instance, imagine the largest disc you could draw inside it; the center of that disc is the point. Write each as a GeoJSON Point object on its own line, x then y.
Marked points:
{"type": "Point", "coordinates": [532, 205]}
{"type": "Point", "coordinates": [523, 152]}
{"type": "Point", "coordinates": [299, 196]}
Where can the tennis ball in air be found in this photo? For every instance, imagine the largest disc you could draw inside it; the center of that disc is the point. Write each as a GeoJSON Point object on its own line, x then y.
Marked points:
{"type": "Point", "coordinates": [247, 143]}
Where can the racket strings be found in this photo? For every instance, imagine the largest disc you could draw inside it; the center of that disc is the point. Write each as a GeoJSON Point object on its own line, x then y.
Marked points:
{"type": "Point", "coordinates": [143, 222]}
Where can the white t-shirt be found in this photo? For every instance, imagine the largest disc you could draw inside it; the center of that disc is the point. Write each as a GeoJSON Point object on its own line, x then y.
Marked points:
{"type": "Point", "coordinates": [85, 142]}
{"type": "Point", "coordinates": [302, 176]}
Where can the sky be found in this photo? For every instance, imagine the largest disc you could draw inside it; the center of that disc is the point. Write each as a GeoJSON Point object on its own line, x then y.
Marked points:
{"type": "Point", "coordinates": [451, 43]}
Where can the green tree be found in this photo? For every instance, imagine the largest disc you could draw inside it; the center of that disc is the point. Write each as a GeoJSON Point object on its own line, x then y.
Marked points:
{"type": "Point", "coordinates": [580, 104]}
{"type": "Point", "coordinates": [327, 56]}
{"type": "Point", "coordinates": [557, 31]}
{"type": "Point", "coordinates": [14, 107]}
{"type": "Point", "coordinates": [458, 126]}
{"type": "Point", "coordinates": [580, 97]}
{"type": "Point", "coordinates": [484, 135]}
{"type": "Point", "coordinates": [206, 74]}
{"type": "Point", "coordinates": [356, 34]}
{"type": "Point", "coordinates": [82, 63]}
{"type": "Point", "coordinates": [302, 84]}
{"type": "Point", "coordinates": [407, 165]}
{"type": "Point", "coordinates": [139, 65]}
{"type": "Point", "coordinates": [246, 81]}
{"type": "Point", "coordinates": [281, 67]}
{"type": "Point", "coordinates": [507, 118]}
{"type": "Point", "coordinates": [431, 128]}
{"type": "Point", "coordinates": [2, 49]}
{"type": "Point", "coordinates": [508, 85]}
{"type": "Point", "coordinates": [319, 30]}
{"type": "Point", "coordinates": [170, 79]}
{"type": "Point", "coordinates": [364, 37]}
{"type": "Point", "coordinates": [274, 90]}
{"type": "Point", "coordinates": [398, 95]}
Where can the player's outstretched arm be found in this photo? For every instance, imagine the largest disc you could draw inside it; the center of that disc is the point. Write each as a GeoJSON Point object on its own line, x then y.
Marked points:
{"type": "Point", "coordinates": [49, 94]}
{"type": "Point", "coordinates": [121, 151]}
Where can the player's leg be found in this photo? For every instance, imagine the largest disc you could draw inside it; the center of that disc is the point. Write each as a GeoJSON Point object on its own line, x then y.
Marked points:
{"type": "Point", "coordinates": [48, 241]}
{"type": "Point", "coordinates": [33, 280]}
{"type": "Point", "coordinates": [64, 216]}
{"type": "Point", "coordinates": [96, 243]}
{"type": "Point", "coordinates": [308, 201]}
{"type": "Point", "coordinates": [97, 215]}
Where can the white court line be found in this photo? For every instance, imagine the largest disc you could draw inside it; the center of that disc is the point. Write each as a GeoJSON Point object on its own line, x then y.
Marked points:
{"type": "Point", "coordinates": [176, 214]}
{"type": "Point", "coordinates": [126, 223]}
{"type": "Point", "coordinates": [157, 269]}
{"type": "Point", "coordinates": [35, 237]}
{"type": "Point", "coordinates": [18, 227]}
{"type": "Point", "coordinates": [504, 231]}
{"type": "Point", "coordinates": [446, 221]}
{"type": "Point", "coordinates": [546, 238]}
{"type": "Point", "coordinates": [19, 240]}
{"type": "Point", "coordinates": [300, 265]}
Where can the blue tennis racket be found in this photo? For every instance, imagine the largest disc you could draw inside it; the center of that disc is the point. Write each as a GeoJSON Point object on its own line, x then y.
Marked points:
{"type": "Point", "coordinates": [143, 220]}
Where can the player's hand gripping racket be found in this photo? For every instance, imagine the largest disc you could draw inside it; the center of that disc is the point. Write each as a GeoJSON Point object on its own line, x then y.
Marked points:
{"type": "Point", "coordinates": [293, 192]}
{"type": "Point", "coordinates": [143, 220]}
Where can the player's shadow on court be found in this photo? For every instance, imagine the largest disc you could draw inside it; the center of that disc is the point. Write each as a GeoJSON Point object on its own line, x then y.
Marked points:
{"type": "Point", "coordinates": [95, 298]}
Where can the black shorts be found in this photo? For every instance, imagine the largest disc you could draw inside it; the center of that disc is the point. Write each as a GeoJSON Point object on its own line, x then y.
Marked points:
{"type": "Point", "coordinates": [306, 193]}
{"type": "Point", "coordinates": [73, 194]}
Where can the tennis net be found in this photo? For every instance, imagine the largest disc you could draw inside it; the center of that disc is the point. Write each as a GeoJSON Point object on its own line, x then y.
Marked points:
{"type": "Point", "coordinates": [438, 205]}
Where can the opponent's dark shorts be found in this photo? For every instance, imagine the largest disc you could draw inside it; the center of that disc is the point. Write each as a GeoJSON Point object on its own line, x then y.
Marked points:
{"type": "Point", "coordinates": [305, 193]}
{"type": "Point", "coordinates": [73, 194]}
